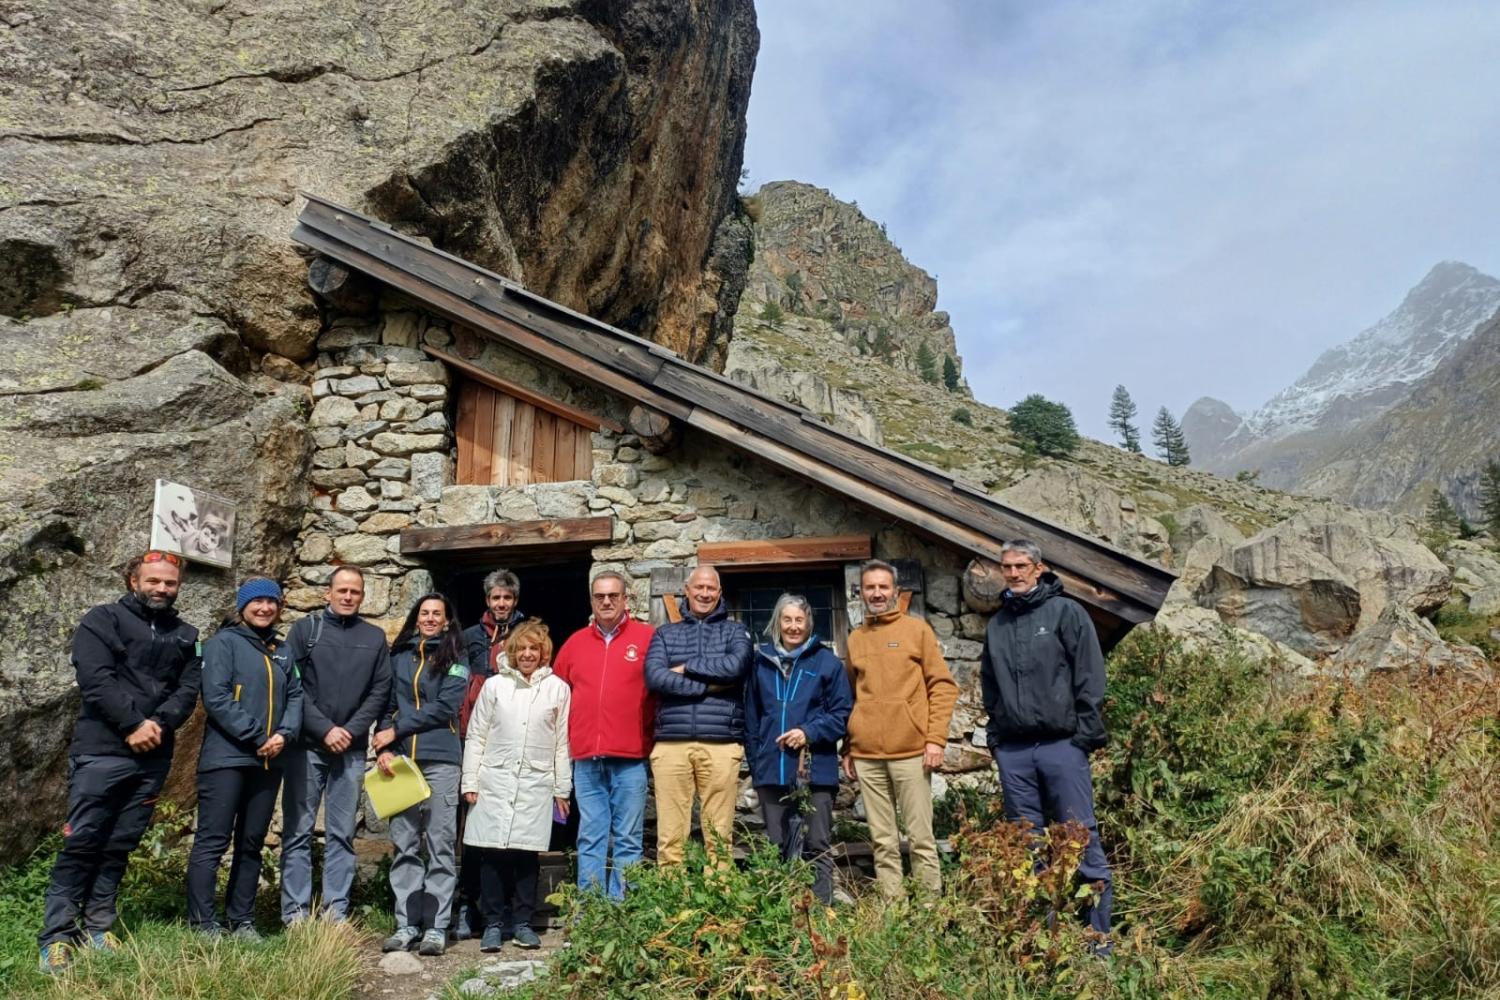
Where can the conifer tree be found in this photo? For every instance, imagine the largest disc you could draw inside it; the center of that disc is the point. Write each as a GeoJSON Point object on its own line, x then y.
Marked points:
{"type": "Point", "coordinates": [1166, 434]}
{"type": "Point", "coordinates": [950, 373]}
{"type": "Point", "coordinates": [927, 363]}
{"type": "Point", "coordinates": [1122, 418]}
{"type": "Point", "coordinates": [1443, 522]}
{"type": "Point", "coordinates": [1489, 498]}
{"type": "Point", "coordinates": [1044, 426]}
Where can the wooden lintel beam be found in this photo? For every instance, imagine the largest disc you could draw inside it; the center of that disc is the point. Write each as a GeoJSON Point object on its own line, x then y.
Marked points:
{"type": "Point", "coordinates": [507, 534]}
{"type": "Point", "coordinates": [785, 551]}
{"type": "Point", "coordinates": [582, 418]}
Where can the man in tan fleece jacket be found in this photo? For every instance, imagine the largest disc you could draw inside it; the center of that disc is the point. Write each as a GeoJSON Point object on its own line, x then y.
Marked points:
{"type": "Point", "coordinates": [903, 702]}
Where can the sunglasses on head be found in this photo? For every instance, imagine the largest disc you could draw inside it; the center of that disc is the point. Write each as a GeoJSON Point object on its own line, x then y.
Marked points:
{"type": "Point", "coordinates": [156, 555]}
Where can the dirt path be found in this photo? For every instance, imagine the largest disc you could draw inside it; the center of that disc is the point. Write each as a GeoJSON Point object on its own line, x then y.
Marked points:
{"type": "Point", "coordinates": [439, 971]}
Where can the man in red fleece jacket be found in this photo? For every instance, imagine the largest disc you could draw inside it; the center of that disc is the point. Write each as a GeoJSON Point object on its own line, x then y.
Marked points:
{"type": "Point", "coordinates": [610, 723]}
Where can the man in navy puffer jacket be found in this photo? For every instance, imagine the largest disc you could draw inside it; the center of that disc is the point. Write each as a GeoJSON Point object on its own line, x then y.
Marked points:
{"type": "Point", "coordinates": [697, 668]}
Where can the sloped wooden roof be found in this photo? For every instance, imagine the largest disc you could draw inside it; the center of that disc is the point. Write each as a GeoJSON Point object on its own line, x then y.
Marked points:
{"type": "Point", "coordinates": [1119, 589]}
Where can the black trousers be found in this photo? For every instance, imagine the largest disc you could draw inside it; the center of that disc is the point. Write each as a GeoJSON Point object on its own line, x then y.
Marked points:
{"type": "Point", "coordinates": [233, 803]}
{"type": "Point", "coordinates": [778, 810]}
{"type": "Point", "coordinates": [110, 802]}
{"type": "Point", "coordinates": [507, 879]}
{"type": "Point", "coordinates": [468, 874]}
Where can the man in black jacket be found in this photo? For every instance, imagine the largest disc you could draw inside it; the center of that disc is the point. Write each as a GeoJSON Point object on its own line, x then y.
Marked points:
{"type": "Point", "coordinates": [1042, 676]}
{"type": "Point", "coordinates": [137, 668]}
{"type": "Point", "coordinates": [346, 679]}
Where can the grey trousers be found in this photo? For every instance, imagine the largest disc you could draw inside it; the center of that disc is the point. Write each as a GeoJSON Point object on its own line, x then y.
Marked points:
{"type": "Point", "coordinates": [335, 780]}
{"type": "Point", "coordinates": [424, 891]}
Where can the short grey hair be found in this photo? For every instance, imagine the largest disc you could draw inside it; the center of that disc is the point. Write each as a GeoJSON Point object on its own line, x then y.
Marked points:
{"type": "Point", "coordinates": [773, 627]}
{"type": "Point", "coordinates": [505, 580]}
{"type": "Point", "coordinates": [1027, 549]}
{"type": "Point", "coordinates": [878, 565]}
{"type": "Point", "coordinates": [611, 574]}
{"type": "Point", "coordinates": [706, 568]}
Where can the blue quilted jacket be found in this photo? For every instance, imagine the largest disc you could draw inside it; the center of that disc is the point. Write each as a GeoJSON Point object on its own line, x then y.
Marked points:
{"type": "Point", "coordinates": [716, 654]}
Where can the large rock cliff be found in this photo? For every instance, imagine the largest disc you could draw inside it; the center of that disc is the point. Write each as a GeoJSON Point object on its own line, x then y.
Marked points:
{"type": "Point", "coordinates": [153, 311]}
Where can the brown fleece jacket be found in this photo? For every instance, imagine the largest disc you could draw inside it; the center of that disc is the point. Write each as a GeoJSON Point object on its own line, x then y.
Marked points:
{"type": "Point", "coordinates": [903, 692]}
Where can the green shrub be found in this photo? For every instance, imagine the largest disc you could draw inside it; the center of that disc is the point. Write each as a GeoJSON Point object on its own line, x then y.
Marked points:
{"type": "Point", "coordinates": [771, 314]}
{"type": "Point", "coordinates": [962, 416]}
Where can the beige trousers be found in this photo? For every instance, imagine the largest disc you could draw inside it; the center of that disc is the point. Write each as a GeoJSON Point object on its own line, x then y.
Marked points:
{"type": "Point", "coordinates": [711, 771]}
{"type": "Point", "coordinates": [900, 786]}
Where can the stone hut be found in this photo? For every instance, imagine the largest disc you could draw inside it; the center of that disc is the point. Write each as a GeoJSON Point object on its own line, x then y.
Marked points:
{"type": "Point", "coordinates": [463, 424]}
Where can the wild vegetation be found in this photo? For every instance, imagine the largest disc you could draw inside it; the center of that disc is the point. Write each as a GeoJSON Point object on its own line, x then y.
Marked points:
{"type": "Point", "coordinates": [1271, 838]}
{"type": "Point", "coordinates": [160, 958]}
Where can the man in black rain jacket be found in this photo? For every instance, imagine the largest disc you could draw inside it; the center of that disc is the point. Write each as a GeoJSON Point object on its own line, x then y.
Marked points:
{"type": "Point", "coordinates": [1042, 677]}
{"type": "Point", "coordinates": [137, 668]}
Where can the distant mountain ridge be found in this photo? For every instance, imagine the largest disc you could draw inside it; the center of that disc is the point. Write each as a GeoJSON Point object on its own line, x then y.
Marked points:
{"type": "Point", "coordinates": [1291, 436]}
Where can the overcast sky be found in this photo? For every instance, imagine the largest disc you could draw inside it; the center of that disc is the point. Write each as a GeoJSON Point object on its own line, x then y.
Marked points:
{"type": "Point", "coordinates": [1189, 198]}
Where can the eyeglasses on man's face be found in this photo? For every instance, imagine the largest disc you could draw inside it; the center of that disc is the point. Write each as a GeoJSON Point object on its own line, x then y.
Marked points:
{"type": "Point", "coordinates": [606, 598]}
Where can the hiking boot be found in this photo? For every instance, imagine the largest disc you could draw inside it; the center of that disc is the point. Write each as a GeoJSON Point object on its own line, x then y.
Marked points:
{"type": "Point", "coordinates": [493, 940]}
{"type": "Point", "coordinates": [525, 937]}
{"type": "Point", "coordinates": [55, 957]}
{"type": "Point", "coordinates": [102, 940]}
{"type": "Point", "coordinates": [434, 942]}
{"type": "Point", "coordinates": [209, 930]}
{"type": "Point", "coordinates": [402, 940]}
{"type": "Point", "coordinates": [246, 934]}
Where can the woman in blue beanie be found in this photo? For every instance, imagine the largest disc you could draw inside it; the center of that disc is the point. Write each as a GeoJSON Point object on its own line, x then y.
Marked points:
{"type": "Point", "coordinates": [253, 701]}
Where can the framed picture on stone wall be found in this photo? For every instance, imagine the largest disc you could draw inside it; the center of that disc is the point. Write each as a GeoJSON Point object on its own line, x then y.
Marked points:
{"type": "Point", "coordinates": [193, 523]}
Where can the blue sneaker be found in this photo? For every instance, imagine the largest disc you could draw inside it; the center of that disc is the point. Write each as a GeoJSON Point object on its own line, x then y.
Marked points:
{"type": "Point", "coordinates": [102, 940]}
{"type": "Point", "coordinates": [493, 940]}
{"type": "Point", "coordinates": [56, 957]}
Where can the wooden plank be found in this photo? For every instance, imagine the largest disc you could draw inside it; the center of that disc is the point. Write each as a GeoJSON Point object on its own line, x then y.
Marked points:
{"type": "Point", "coordinates": [508, 534]}
{"type": "Point", "coordinates": [583, 456]}
{"type": "Point", "coordinates": [522, 427]}
{"type": "Point", "coordinates": [562, 450]}
{"type": "Point", "coordinates": [785, 551]}
{"type": "Point", "coordinates": [505, 419]}
{"type": "Point", "coordinates": [581, 417]}
{"type": "Point", "coordinates": [484, 434]}
{"type": "Point", "coordinates": [463, 431]}
{"type": "Point", "coordinates": [543, 446]}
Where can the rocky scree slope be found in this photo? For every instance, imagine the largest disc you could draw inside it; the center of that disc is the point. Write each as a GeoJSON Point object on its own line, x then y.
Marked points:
{"type": "Point", "coordinates": [154, 315]}
{"type": "Point", "coordinates": [1290, 439]}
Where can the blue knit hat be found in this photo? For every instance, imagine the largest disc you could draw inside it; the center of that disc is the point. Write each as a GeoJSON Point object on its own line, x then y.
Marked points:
{"type": "Point", "coordinates": [256, 586]}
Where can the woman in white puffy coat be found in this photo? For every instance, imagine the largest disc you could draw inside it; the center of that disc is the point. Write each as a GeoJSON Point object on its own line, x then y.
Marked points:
{"type": "Point", "coordinates": [517, 774]}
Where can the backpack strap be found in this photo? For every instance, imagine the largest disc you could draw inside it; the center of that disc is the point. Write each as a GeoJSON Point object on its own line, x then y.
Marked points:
{"type": "Point", "coordinates": [305, 659]}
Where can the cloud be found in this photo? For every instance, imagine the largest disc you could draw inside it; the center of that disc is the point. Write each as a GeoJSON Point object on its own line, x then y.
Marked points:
{"type": "Point", "coordinates": [1191, 198]}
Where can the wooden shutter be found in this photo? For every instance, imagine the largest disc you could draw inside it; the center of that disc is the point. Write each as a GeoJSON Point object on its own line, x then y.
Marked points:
{"type": "Point", "coordinates": [506, 441]}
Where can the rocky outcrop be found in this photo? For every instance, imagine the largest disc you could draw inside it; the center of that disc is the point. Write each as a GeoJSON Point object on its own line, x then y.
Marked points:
{"type": "Point", "coordinates": [1201, 629]}
{"type": "Point", "coordinates": [150, 159]}
{"type": "Point", "coordinates": [1071, 497]}
{"type": "Point", "coordinates": [821, 257]}
{"type": "Point", "coordinates": [1404, 643]}
{"type": "Point", "coordinates": [1314, 579]}
{"type": "Point", "coordinates": [751, 364]}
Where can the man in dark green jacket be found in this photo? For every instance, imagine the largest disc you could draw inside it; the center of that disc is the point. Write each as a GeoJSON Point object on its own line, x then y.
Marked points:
{"type": "Point", "coordinates": [1042, 676]}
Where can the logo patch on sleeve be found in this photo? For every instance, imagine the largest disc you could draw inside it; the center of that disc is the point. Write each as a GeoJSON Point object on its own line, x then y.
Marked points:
{"type": "Point", "coordinates": [458, 670]}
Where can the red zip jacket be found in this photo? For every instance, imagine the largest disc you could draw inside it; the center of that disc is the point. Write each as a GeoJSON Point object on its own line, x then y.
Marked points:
{"type": "Point", "coordinates": [612, 714]}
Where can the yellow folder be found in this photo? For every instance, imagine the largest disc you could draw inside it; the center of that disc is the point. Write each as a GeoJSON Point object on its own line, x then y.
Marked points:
{"type": "Point", "coordinates": [390, 795]}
